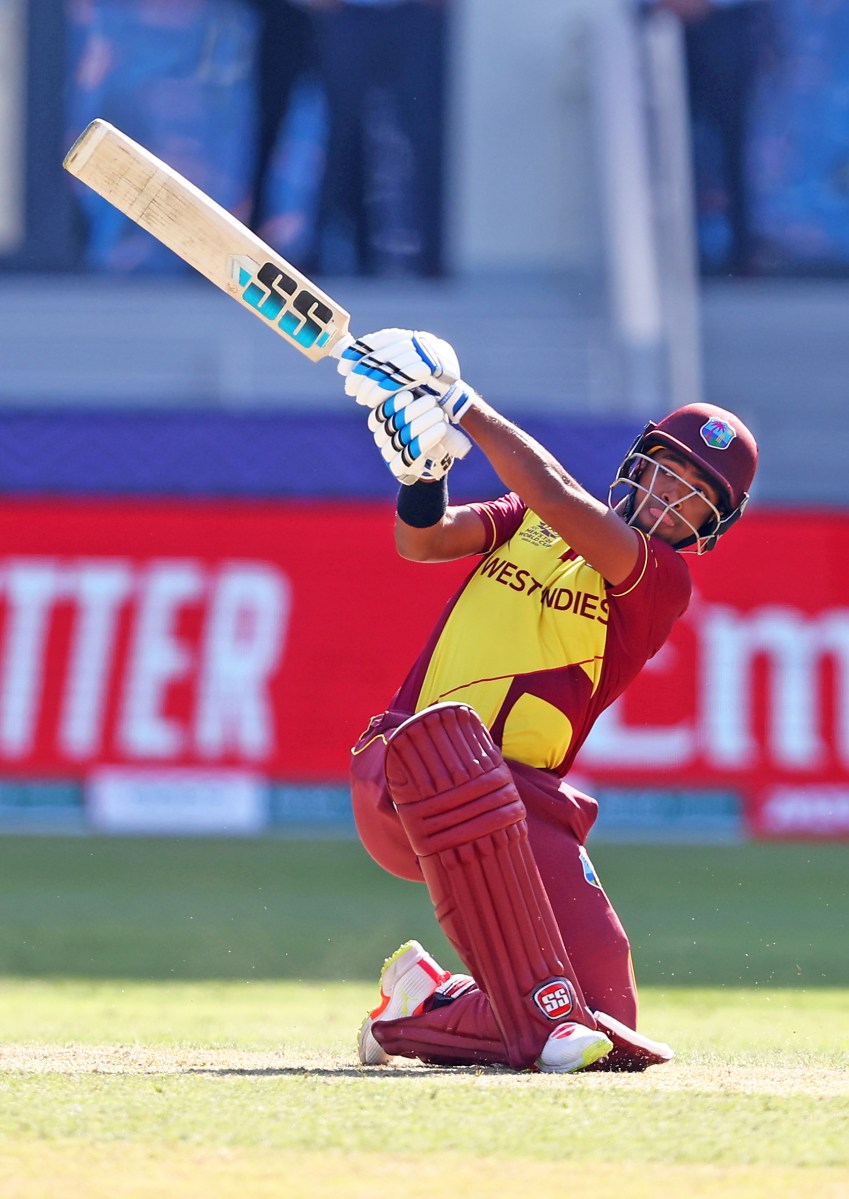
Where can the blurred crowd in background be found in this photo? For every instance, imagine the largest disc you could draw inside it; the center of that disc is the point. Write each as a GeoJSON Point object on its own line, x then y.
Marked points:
{"type": "Point", "coordinates": [318, 122]}
{"type": "Point", "coordinates": [323, 124]}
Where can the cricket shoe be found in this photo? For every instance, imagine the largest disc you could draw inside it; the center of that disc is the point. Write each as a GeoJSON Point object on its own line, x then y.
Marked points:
{"type": "Point", "coordinates": [408, 979]}
{"type": "Point", "coordinates": [572, 1047]}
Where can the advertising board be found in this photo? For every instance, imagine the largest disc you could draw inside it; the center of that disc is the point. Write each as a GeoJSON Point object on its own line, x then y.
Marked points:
{"type": "Point", "coordinates": [145, 644]}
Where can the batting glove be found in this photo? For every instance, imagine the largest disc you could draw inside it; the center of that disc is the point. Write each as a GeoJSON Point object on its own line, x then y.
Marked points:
{"type": "Point", "coordinates": [441, 458]}
{"type": "Point", "coordinates": [394, 359]}
{"type": "Point", "coordinates": [457, 400]}
{"type": "Point", "coordinates": [407, 429]}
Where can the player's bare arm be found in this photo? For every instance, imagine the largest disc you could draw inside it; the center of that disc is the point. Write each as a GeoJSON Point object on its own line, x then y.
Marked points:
{"type": "Point", "coordinates": [459, 534]}
{"type": "Point", "coordinates": [409, 380]}
{"type": "Point", "coordinates": [524, 466]}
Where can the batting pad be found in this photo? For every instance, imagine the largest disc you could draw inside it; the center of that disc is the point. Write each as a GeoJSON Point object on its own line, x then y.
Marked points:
{"type": "Point", "coordinates": [465, 820]}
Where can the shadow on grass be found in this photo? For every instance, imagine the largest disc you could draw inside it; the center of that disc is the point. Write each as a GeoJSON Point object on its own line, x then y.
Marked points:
{"type": "Point", "coordinates": [419, 1071]}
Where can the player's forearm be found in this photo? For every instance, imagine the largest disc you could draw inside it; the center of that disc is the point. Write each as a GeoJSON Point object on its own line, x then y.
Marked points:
{"type": "Point", "coordinates": [522, 464]}
{"type": "Point", "coordinates": [527, 468]}
{"type": "Point", "coordinates": [419, 545]}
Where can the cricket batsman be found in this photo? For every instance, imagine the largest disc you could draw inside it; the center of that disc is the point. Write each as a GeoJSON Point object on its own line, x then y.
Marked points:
{"type": "Point", "coordinates": [463, 782]}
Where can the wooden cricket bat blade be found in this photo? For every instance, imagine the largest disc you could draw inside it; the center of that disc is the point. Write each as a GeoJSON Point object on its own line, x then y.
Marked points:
{"type": "Point", "coordinates": [212, 240]}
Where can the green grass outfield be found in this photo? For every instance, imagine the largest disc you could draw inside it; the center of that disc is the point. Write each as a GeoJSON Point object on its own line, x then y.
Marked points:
{"type": "Point", "coordinates": [177, 1018]}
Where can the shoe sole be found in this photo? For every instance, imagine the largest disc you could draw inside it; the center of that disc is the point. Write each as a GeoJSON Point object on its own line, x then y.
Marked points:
{"type": "Point", "coordinates": [369, 1050]}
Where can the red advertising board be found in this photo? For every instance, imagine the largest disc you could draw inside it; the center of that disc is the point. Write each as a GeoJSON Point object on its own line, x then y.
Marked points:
{"type": "Point", "coordinates": [260, 637]}
{"type": "Point", "coordinates": [202, 634]}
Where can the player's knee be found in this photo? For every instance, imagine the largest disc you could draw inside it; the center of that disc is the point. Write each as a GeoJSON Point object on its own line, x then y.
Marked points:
{"type": "Point", "coordinates": [450, 741]}
{"type": "Point", "coordinates": [441, 749]}
{"type": "Point", "coordinates": [448, 779]}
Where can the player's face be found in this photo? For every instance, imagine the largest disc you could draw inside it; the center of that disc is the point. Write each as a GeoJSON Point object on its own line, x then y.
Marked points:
{"type": "Point", "coordinates": [678, 498]}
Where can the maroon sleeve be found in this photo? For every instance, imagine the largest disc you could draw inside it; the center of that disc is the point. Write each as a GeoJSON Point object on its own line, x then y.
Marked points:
{"type": "Point", "coordinates": [501, 518]}
{"type": "Point", "coordinates": [644, 608]}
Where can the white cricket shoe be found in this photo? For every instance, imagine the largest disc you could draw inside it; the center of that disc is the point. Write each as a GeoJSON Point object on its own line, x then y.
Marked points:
{"type": "Point", "coordinates": [408, 978]}
{"type": "Point", "coordinates": [572, 1047]}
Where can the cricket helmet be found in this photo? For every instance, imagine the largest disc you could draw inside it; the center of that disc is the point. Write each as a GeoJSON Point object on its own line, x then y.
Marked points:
{"type": "Point", "coordinates": [717, 442]}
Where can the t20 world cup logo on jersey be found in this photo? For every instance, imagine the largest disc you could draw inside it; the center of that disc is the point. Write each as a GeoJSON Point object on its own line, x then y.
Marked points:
{"type": "Point", "coordinates": [555, 999]}
{"type": "Point", "coordinates": [294, 310]}
{"type": "Point", "coordinates": [718, 434]}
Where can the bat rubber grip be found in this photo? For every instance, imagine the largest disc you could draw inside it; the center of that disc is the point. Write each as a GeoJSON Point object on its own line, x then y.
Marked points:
{"type": "Point", "coordinates": [456, 443]}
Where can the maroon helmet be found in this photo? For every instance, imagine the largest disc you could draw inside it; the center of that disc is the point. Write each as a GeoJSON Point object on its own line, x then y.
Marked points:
{"type": "Point", "coordinates": [715, 440]}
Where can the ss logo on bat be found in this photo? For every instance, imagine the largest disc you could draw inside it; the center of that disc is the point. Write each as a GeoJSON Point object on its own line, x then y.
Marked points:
{"type": "Point", "coordinates": [278, 297]}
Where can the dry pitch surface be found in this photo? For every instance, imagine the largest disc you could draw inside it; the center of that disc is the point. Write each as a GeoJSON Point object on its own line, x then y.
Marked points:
{"type": "Point", "coordinates": [269, 1100]}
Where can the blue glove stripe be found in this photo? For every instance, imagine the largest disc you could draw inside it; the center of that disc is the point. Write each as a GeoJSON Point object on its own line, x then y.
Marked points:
{"type": "Point", "coordinates": [398, 422]}
{"type": "Point", "coordinates": [370, 372]}
{"type": "Point", "coordinates": [425, 357]}
{"type": "Point", "coordinates": [380, 376]}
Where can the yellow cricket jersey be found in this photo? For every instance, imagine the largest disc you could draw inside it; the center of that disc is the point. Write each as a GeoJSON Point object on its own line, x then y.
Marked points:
{"type": "Point", "coordinates": [538, 643]}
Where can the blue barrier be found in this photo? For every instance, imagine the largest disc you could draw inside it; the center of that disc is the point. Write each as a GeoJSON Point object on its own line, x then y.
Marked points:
{"type": "Point", "coordinates": [255, 455]}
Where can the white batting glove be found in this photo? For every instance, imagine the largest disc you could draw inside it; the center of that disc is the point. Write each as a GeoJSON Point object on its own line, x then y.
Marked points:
{"type": "Point", "coordinates": [390, 360]}
{"type": "Point", "coordinates": [457, 400]}
{"type": "Point", "coordinates": [442, 457]}
{"type": "Point", "coordinates": [407, 428]}
{"type": "Point", "coordinates": [437, 463]}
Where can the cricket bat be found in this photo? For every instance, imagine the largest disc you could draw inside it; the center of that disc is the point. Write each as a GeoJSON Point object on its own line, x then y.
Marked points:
{"type": "Point", "coordinates": [217, 245]}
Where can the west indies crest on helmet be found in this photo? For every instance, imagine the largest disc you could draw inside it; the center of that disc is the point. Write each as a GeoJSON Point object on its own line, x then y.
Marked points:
{"type": "Point", "coordinates": [717, 442]}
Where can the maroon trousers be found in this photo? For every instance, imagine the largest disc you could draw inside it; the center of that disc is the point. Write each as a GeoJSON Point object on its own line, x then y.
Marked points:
{"type": "Point", "coordinates": [559, 819]}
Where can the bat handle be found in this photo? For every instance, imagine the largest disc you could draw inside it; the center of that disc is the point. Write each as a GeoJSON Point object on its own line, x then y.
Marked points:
{"type": "Point", "coordinates": [341, 345]}
{"type": "Point", "coordinates": [456, 443]}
